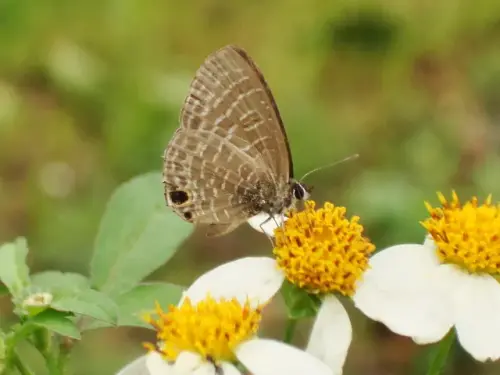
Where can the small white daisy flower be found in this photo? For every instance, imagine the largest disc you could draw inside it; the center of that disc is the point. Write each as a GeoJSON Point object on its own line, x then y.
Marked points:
{"type": "Point", "coordinates": [41, 299]}
{"type": "Point", "coordinates": [422, 291]}
{"type": "Point", "coordinates": [326, 254]}
{"type": "Point", "coordinates": [35, 303]}
{"type": "Point", "coordinates": [215, 326]}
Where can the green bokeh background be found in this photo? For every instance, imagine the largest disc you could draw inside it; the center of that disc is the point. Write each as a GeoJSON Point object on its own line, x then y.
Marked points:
{"type": "Point", "coordinates": [90, 94]}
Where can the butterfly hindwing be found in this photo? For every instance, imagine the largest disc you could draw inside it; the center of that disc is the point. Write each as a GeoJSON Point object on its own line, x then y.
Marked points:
{"type": "Point", "coordinates": [204, 178]}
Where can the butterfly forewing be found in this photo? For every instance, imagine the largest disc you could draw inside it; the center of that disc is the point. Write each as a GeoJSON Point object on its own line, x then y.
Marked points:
{"type": "Point", "coordinates": [231, 149]}
{"type": "Point", "coordinates": [230, 92]}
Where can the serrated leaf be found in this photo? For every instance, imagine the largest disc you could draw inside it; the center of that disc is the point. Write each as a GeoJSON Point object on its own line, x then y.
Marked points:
{"type": "Point", "coordinates": [14, 272]}
{"type": "Point", "coordinates": [57, 321]}
{"type": "Point", "coordinates": [142, 299]}
{"type": "Point", "coordinates": [299, 303]}
{"type": "Point", "coordinates": [89, 303]}
{"type": "Point", "coordinates": [56, 281]}
{"type": "Point", "coordinates": [137, 235]}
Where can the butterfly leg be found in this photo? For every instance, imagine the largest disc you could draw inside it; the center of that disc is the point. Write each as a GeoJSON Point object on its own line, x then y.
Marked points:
{"type": "Point", "coordinates": [279, 225]}
{"type": "Point", "coordinates": [282, 224]}
{"type": "Point", "coordinates": [263, 231]}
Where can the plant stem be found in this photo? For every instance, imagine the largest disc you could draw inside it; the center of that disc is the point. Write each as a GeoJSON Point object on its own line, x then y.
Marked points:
{"type": "Point", "coordinates": [21, 367]}
{"type": "Point", "coordinates": [51, 359]}
{"type": "Point", "coordinates": [439, 355]}
{"type": "Point", "coordinates": [291, 324]}
{"type": "Point", "coordinates": [19, 332]}
{"type": "Point", "coordinates": [51, 363]}
{"type": "Point", "coordinates": [44, 341]}
{"type": "Point", "coordinates": [64, 352]}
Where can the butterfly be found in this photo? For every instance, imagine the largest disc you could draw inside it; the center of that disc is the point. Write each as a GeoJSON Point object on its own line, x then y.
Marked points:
{"type": "Point", "coordinates": [230, 158]}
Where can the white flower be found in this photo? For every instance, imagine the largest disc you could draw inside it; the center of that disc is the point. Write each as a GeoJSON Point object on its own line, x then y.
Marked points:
{"type": "Point", "coordinates": [38, 300]}
{"type": "Point", "coordinates": [36, 303]}
{"type": "Point", "coordinates": [260, 357]}
{"type": "Point", "coordinates": [331, 334]}
{"type": "Point", "coordinates": [422, 291]}
{"type": "Point", "coordinates": [322, 252]}
{"type": "Point", "coordinates": [236, 290]}
{"type": "Point", "coordinates": [136, 367]}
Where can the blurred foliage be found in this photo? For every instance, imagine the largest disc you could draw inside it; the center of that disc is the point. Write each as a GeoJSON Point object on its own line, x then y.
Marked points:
{"type": "Point", "coordinates": [54, 308]}
{"type": "Point", "coordinates": [90, 94]}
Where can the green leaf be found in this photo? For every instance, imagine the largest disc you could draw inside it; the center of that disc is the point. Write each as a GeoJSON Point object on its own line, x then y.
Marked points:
{"type": "Point", "coordinates": [56, 281]}
{"type": "Point", "coordinates": [142, 299]}
{"type": "Point", "coordinates": [439, 354]}
{"type": "Point", "coordinates": [137, 234]}
{"type": "Point", "coordinates": [3, 290]}
{"type": "Point", "coordinates": [89, 324]}
{"type": "Point", "coordinates": [14, 272]}
{"type": "Point", "coordinates": [58, 322]}
{"type": "Point", "coordinates": [299, 303]}
{"type": "Point", "coordinates": [89, 303]}
{"type": "Point", "coordinates": [291, 326]}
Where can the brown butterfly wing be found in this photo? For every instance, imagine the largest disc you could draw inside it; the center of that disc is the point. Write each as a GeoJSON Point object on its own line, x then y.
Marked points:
{"type": "Point", "coordinates": [206, 176]}
{"type": "Point", "coordinates": [231, 139]}
{"type": "Point", "coordinates": [230, 92]}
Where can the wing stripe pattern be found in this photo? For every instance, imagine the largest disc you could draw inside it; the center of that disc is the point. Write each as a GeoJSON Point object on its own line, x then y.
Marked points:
{"type": "Point", "coordinates": [231, 141]}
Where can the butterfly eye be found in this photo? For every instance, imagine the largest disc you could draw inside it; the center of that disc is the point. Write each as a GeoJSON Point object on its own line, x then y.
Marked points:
{"type": "Point", "coordinates": [300, 192]}
{"type": "Point", "coordinates": [178, 197]}
{"type": "Point", "coordinates": [188, 215]}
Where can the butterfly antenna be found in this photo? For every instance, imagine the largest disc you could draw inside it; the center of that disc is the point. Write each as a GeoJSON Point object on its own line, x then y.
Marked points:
{"type": "Point", "coordinates": [352, 157]}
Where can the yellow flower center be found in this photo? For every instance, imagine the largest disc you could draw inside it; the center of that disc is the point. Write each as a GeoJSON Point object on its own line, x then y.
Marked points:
{"type": "Point", "coordinates": [466, 234]}
{"type": "Point", "coordinates": [210, 328]}
{"type": "Point", "coordinates": [321, 251]}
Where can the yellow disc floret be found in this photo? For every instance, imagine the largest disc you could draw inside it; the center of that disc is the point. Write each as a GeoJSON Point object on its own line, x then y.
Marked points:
{"type": "Point", "coordinates": [321, 250]}
{"type": "Point", "coordinates": [466, 234]}
{"type": "Point", "coordinates": [210, 328]}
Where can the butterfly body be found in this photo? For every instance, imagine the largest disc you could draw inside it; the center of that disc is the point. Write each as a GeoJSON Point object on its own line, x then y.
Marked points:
{"type": "Point", "coordinates": [230, 159]}
{"type": "Point", "coordinates": [267, 197]}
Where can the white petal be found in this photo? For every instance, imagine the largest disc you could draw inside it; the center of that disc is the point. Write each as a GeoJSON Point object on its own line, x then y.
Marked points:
{"type": "Point", "coordinates": [269, 357]}
{"type": "Point", "coordinates": [477, 313]}
{"type": "Point", "coordinates": [266, 223]}
{"type": "Point", "coordinates": [400, 266]}
{"type": "Point", "coordinates": [229, 369]}
{"type": "Point", "coordinates": [429, 242]}
{"type": "Point", "coordinates": [206, 368]}
{"type": "Point", "coordinates": [136, 367]}
{"type": "Point", "coordinates": [401, 290]}
{"type": "Point", "coordinates": [331, 334]}
{"type": "Point", "coordinates": [256, 278]}
{"type": "Point", "coordinates": [157, 365]}
{"type": "Point", "coordinates": [187, 362]}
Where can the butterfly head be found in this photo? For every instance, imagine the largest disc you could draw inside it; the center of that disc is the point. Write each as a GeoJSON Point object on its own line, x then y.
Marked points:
{"type": "Point", "coordinates": [301, 191]}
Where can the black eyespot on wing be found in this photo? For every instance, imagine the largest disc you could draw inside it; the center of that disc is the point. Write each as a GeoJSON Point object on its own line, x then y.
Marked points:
{"type": "Point", "coordinates": [188, 215]}
{"type": "Point", "coordinates": [178, 197]}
